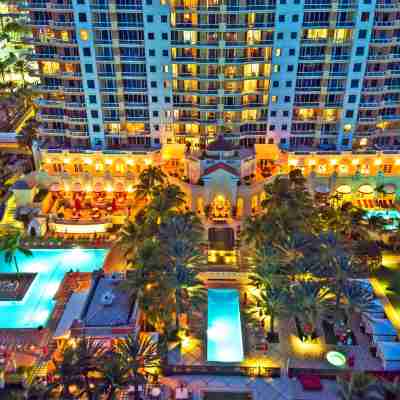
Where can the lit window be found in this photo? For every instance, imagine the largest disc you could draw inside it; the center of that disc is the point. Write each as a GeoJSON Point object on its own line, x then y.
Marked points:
{"type": "Point", "coordinates": [278, 52]}
{"type": "Point", "coordinates": [50, 67]}
{"type": "Point", "coordinates": [84, 34]}
{"type": "Point", "coordinates": [64, 36]}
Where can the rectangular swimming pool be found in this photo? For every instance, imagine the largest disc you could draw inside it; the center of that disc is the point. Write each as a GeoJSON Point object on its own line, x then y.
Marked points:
{"type": "Point", "coordinates": [224, 330]}
{"type": "Point", "coordinates": [392, 215]}
{"type": "Point", "coordinates": [50, 266]}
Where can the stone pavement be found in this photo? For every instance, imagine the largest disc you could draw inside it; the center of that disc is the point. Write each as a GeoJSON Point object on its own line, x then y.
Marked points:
{"type": "Point", "coordinates": [260, 388]}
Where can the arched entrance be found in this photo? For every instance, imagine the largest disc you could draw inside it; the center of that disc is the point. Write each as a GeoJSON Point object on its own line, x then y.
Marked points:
{"type": "Point", "coordinates": [220, 208]}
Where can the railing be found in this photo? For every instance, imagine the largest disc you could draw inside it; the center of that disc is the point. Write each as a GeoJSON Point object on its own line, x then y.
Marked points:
{"type": "Point", "coordinates": [222, 370]}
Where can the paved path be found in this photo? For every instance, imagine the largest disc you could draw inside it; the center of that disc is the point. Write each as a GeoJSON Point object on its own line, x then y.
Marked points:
{"type": "Point", "coordinates": [260, 388]}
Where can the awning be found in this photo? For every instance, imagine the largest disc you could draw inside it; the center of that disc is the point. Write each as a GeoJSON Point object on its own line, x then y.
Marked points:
{"type": "Point", "coordinates": [389, 188]}
{"type": "Point", "coordinates": [366, 189]}
{"type": "Point", "coordinates": [322, 189]}
{"type": "Point", "coordinates": [343, 189]}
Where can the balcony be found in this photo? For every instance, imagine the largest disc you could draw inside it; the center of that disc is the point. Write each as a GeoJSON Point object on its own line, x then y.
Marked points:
{"type": "Point", "coordinates": [37, 5]}
{"type": "Point", "coordinates": [61, 24]}
{"type": "Point", "coordinates": [73, 89]}
{"type": "Point", "coordinates": [46, 88]}
{"type": "Point", "coordinates": [74, 105]}
{"type": "Point", "coordinates": [59, 7]}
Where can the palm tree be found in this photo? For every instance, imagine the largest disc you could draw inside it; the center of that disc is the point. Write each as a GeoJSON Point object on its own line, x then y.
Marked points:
{"type": "Point", "coordinates": [11, 245]}
{"type": "Point", "coordinates": [115, 376]}
{"type": "Point", "coordinates": [307, 301]}
{"type": "Point", "coordinates": [360, 387]}
{"type": "Point", "coordinates": [357, 299]}
{"type": "Point", "coordinates": [270, 301]}
{"type": "Point", "coordinates": [180, 237]}
{"type": "Point", "coordinates": [130, 236]}
{"type": "Point", "coordinates": [267, 271]}
{"type": "Point", "coordinates": [141, 357]}
{"type": "Point", "coordinates": [166, 200]}
{"type": "Point", "coordinates": [21, 66]}
{"type": "Point", "coordinates": [150, 181]}
{"type": "Point", "coordinates": [78, 361]}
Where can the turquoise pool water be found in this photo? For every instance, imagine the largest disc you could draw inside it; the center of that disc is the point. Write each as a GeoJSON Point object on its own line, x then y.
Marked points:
{"type": "Point", "coordinates": [224, 332]}
{"type": "Point", "coordinates": [392, 215]}
{"type": "Point", "coordinates": [50, 265]}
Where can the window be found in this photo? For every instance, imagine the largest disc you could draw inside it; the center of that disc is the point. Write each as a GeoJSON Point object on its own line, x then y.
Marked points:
{"type": "Point", "coordinates": [149, 2]}
{"type": "Point", "coordinates": [282, 1]}
{"type": "Point", "coordinates": [90, 84]}
{"type": "Point", "coordinates": [164, 36]}
{"type": "Point", "coordinates": [293, 35]}
{"type": "Point", "coordinates": [156, 127]}
{"type": "Point", "coordinates": [357, 67]}
{"type": "Point", "coordinates": [86, 51]}
{"type": "Point", "coordinates": [154, 99]}
{"type": "Point", "coordinates": [153, 68]}
{"type": "Point", "coordinates": [360, 51]}
{"type": "Point", "coordinates": [279, 36]}
{"type": "Point", "coordinates": [365, 16]}
{"type": "Point", "coordinates": [362, 33]}
{"type": "Point", "coordinates": [94, 113]}
{"type": "Point", "coordinates": [164, 19]}
{"type": "Point", "coordinates": [150, 18]}
{"type": "Point", "coordinates": [84, 34]}
{"type": "Point", "coordinates": [82, 17]}
{"type": "Point", "coordinates": [80, 2]}
{"type": "Point", "coordinates": [285, 113]}
{"type": "Point", "coordinates": [96, 128]}
{"type": "Point", "coordinates": [278, 52]}
{"type": "Point", "coordinates": [277, 68]}
{"type": "Point", "coordinates": [273, 114]}
{"type": "Point", "coordinates": [349, 113]}
{"type": "Point", "coordinates": [292, 52]}
{"type": "Point", "coordinates": [275, 84]}
{"type": "Point", "coordinates": [150, 35]}
{"type": "Point", "coordinates": [281, 18]}
{"type": "Point", "coordinates": [354, 83]}
{"type": "Point", "coordinates": [287, 99]}
{"type": "Point", "coordinates": [288, 83]}
{"type": "Point", "coordinates": [167, 99]}
{"type": "Point", "coordinates": [92, 99]}
{"type": "Point", "coordinates": [152, 53]}
{"type": "Point", "coordinates": [153, 84]}
{"type": "Point", "coordinates": [165, 53]}
{"type": "Point", "coordinates": [274, 99]}
{"type": "Point", "coordinates": [272, 127]}
{"type": "Point", "coordinates": [352, 98]}
{"type": "Point", "coordinates": [283, 140]}
{"type": "Point", "coordinates": [88, 68]}
{"type": "Point", "coordinates": [295, 18]}
{"type": "Point", "coordinates": [155, 114]}
{"type": "Point", "coordinates": [290, 68]}
{"type": "Point", "coordinates": [345, 142]}
{"type": "Point", "coordinates": [284, 127]}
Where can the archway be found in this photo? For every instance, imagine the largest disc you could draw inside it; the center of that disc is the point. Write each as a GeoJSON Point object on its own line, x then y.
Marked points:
{"type": "Point", "coordinates": [220, 208]}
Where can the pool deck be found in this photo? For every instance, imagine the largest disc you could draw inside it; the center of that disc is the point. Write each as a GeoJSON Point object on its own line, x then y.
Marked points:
{"type": "Point", "coordinates": [260, 388]}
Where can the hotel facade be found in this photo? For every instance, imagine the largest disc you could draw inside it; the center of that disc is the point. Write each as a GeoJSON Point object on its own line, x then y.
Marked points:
{"type": "Point", "coordinates": [131, 74]}
{"type": "Point", "coordinates": [223, 95]}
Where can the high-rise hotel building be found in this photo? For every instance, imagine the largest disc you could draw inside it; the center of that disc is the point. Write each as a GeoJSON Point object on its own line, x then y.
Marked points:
{"type": "Point", "coordinates": [139, 73]}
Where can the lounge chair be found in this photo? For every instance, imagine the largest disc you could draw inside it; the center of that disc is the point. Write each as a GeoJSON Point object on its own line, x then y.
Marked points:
{"type": "Point", "coordinates": [310, 382]}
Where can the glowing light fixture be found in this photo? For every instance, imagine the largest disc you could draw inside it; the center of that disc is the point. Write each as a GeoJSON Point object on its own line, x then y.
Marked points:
{"type": "Point", "coordinates": [336, 358]}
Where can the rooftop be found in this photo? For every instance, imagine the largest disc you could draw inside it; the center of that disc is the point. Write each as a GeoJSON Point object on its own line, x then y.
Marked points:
{"type": "Point", "coordinates": [108, 305]}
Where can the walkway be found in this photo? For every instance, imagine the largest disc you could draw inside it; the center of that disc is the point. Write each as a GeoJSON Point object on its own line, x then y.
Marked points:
{"type": "Point", "coordinates": [259, 388]}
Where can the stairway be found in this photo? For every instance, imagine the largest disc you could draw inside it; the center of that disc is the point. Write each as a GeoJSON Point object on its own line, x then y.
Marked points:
{"type": "Point", "coordinates": [39, 370]}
